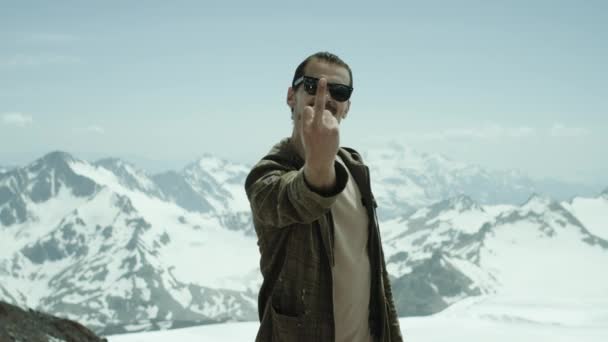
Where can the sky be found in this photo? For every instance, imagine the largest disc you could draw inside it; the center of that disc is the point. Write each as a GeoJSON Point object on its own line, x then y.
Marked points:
{"type": "Point", "coordinates": [502, 84]}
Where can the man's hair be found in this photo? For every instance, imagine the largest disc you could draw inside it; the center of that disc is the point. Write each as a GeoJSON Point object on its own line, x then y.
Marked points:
{"type": "Point", "coordinates": [324, 56]}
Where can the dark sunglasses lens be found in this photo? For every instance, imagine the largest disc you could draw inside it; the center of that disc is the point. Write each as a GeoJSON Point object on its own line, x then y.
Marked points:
{"type": "Point", "coordinates": [339, 92]}
{"type": "Point", "coordinates": [310, 86]}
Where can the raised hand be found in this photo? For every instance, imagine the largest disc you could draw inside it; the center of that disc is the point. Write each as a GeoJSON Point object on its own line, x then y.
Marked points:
{"type": "Point", "coordinates": [320, 140]}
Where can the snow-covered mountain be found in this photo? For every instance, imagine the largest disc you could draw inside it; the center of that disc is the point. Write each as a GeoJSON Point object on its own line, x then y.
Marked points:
{"type": "Point", "coordinates": [102, 244]}
{"type": "Point", "coordinates": [208, 185]}
{"type": "Point", "coordinates": [121, 250]}
{"type": "Point", "coordinates": [405, 180]}
{"type": "Point", "coordinates": [457, 248]}
{"type": "Point", "coordinates": [592, 213]}
{"type": "Point", "coordinates": [130, 177]}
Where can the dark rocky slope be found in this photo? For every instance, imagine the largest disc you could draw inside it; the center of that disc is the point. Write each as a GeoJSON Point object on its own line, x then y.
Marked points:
{"type": "Point", "coordinates": [33, 326]}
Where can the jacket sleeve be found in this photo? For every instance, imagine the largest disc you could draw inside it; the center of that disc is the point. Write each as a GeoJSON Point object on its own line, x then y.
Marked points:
{"type": "Point", "coordinates": [280, 197]}
{"type": "Point", "coordinates": [395, 329]}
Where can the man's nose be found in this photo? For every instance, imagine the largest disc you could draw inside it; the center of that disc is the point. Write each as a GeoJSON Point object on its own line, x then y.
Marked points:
{"type": "Point", "coordinates": [328, 96]}
{"type": "Point", "coordinates": [328, 101]}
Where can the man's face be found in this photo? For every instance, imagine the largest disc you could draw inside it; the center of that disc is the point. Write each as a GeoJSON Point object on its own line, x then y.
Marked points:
{"type": "Point", "coordinates": [298, 99]}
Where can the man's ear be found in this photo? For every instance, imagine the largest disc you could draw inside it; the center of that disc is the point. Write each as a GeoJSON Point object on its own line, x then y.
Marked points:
{"type": "Point", "coordinates": [291, 99]}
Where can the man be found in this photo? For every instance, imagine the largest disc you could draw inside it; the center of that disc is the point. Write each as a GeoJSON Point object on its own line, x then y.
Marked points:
{"type": "Point", "coordinates": [314, 214]}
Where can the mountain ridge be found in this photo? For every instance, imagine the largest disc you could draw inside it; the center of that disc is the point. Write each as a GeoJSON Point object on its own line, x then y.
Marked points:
{"type": "Point", "coordinates": [102, 257]}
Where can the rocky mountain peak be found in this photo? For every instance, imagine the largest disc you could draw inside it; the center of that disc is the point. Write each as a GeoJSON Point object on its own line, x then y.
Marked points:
{"type": "Point", "coordinates": [120, 167]}
{"type": "Point", "coordinates": [220, 169]}
{"type": "Point", "coordinates": [458, 203]}
{"type": "Point", "coordinates": [537, 202]}
{"type": "Point", "coordinates": [45, 177]}
{"type": "Point", "coordinates": [56, 161]}
{"type": "Point", "coordinates": [129, 175]}
{"type": "Point", "coordinates": [20, 325]}
{"type": "Point", "coordinates": [57, 157]}
{"type": "Point", "coordinates": [208, 159]}
{"type": "Point", "coordinates": [112, 162]}
{"type": "Point", "coordinates": [462, 203]}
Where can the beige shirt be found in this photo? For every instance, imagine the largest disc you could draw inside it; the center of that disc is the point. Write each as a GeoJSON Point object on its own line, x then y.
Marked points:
{"type": "Point", "coordinates": [351, 273]}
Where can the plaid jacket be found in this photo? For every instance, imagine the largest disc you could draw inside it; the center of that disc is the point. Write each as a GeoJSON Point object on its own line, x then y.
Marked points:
{"type": "Point", "coordinates": [295, 237]}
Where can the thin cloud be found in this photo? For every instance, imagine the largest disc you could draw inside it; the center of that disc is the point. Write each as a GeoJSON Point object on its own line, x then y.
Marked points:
{"type": "Point", "coordinates": [17, 119]}
{"type": "Point", "coordinates": [486, 132]}
{"type": "Point", "coordinates": [95, 129]}
{"type": "Point", "coordinates": [496, 132]}
{"type": "Point", "coordinates": [521, 132]}
{"type": "Point", "coordinates": [48, 38]}
{"type": "Point", "coordinates": [560, 130]}
{"type": "Point", "coordinates": [21, 60]}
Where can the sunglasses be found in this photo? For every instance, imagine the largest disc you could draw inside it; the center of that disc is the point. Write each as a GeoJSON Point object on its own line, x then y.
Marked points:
{"type": "Point", "coordinates": [340, 92]}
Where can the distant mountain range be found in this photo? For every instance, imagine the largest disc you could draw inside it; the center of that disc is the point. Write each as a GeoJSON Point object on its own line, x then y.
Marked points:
{"type": "Point", "coordinates": [120, 250]}
{"type": "Point", "coordinates": [406, 180]}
